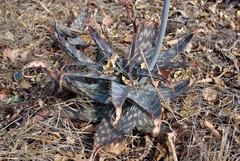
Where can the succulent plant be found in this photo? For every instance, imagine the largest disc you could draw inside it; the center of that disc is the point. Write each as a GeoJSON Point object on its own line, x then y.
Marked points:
{"type": "Point", "coordinates": [116, 84]}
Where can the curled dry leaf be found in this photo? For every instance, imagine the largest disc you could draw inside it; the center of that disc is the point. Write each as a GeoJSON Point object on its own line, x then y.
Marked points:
{"type": "Point", "coordinates": [9, 36]}
{"type": "Point", "coordinates": [210, 126]}
{"type": "Point", "coordinates": [128, 37]}
{"type": "Point", "coordinates": [89, 128]}
{"type": "Point", "coordinates": [59, 157]}
{"type": "Point", "coordinates": [2, 97]}
{"type": "Point", "coordinates": [207, 80]}
{"type": "Point", "coordinates": [14, 55]}
{"type": "Point", "coordinates": [225, 112]}
{"type": "Point", "coordinates": [237, 139]}
{"type": "Point", "coordinates": [24, 84]}
{"type": "Point", "coordinates": [107, 21]}
{"type": "Point", "coordinates": [86, 38]}
{"type": "Point", "coordinates": [11, 55]}
{"type": "Point", "coordinates": [70, 140]}
{"type": "Point", "coordinates": [3, 94]}
{"type": "Point", "coordinates": [237, 116]}
{"type": "Point", "coordinates": [172, 42]}
{"type": "Point", "coordinates": [116, 148]}
{"type": "Point", "coordinates": [210, 94]}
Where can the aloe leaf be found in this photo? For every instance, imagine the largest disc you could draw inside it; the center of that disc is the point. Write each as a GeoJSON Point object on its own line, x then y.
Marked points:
{"type": "Point", "coordinates": [161, 34]}
{"type": "Point", "coordinates": [163, 66]}
{"type": "Point", "coordinates": [176, 49]}
{"type": "Point", "coordinates": [83, 65]}
{"type": "Point", "coordinates": [97, 92]}
{"type": "Point", "coordinates": [171, 65]}
{"type": "Point", "coordinates": [106, 133]}
{"type": "Point", "coordinates": [66, 32]}
{"type": "Point", "coordinates": [168, 94]}
{"type": "Point", "coordinates": [103, 47]}
{"type": "Point", "coordinates": [62, 30]}
{"type": "Point", "coordinates": [77, 24]}
{"type": "Point", "coordinates": [78, 41]}
{"type": "Point", "coordinates": [146, 40]}
{"type": "Point", "coordinates": [93, 75]}
{"type": "Point", "coordinates": [119, 94]}
{"type": "Point", "coordinates": [145, 124]}
{"type": "Point", "coordinates": [72, 51]}
{"type": "Point", "coordinates": [84, 112]}
{"type": "Point", "coordinates": [145, 73]}
{"type": "Point", "coordinates": [80, 20]}
{"type": "Point", "coordinates": [148, 99]}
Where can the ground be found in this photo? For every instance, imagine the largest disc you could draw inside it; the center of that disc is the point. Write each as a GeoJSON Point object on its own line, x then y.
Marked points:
{"type": "Point", "coordinates": [206, 118]}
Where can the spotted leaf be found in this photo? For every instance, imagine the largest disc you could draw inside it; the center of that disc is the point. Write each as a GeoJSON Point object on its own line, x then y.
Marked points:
{"type": "Point", "coordinates": [72, 51]}
{"type": "Point", "coordinates": [168, 94]}
{"type": "Point", "coordinates": [176, 49]}
{"type": "Point", "coordinates": [78, 41]}
{"type": "Point", "coordinates": [97, 92]}
{"type": "Point", "coordinates": [106, 133]}
{"type": "Point", "coordinates": [103, 47]}
{"type": "Point", "coordinates": [80, 20]}
{"type": "Point", "coordinates": [148, 99]}
{"type": "Point", "coordinates": [84, 112]}
{"type": "Point", "coordinates": [91, 74]}
{"type": "Point", "coordinates": [146, 39]}
{"type": "Point", "coordinates": [119, 94]}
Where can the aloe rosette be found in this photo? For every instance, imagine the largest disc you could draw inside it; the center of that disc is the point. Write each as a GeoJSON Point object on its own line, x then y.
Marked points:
{"type": "Point", "coordinates": [121, 102]}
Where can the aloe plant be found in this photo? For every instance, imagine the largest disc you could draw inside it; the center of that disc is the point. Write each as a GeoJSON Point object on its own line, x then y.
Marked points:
{"type": "Point", "coordinates": [121, 87]}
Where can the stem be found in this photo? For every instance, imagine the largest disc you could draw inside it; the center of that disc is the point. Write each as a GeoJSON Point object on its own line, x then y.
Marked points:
{"type": "Point", "coordinates": [161, 35]}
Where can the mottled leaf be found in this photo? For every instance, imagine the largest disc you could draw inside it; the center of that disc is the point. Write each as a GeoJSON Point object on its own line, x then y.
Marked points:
{"type": "Point", "coordinates": [85, 112]}
{"type": "Point", "coordinates": [119, 94]}
{"type": "Point", "coordinates": [171, 65]}
{"type": "Point", "coordinates": [98, 91]}
{"type": "Point", "coordinates": [145, 73]}
{"type": "Point", "coordinates": [145, 124]}
{"type": "Point", "coordinates": [72, 51]}
{"type": "Point", "coordinates": [62, 30]}
{"type": "Point", "coordinates": [77, 41]}
{"type": "Point", "coordinates": [103, 47]}
{"type": "Point", "coordinates": [168, 94]}
{"type": "Point", "coordinates": [94, 75]}
{"type": "Point", "coordinates": [106, 133]}
{"type": "Point", "coordinates": [146, 40]}
{"type": "Point", "coordinates": [68, 33]}
{"type": "Point", "coordinates": [83, 65]}
{"type": "Point", "coordinates": [148, 99]}
{"type": "Point", "coordinates": [80, 20]}
{"type": "Point", "coordinates": [176, 49]}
